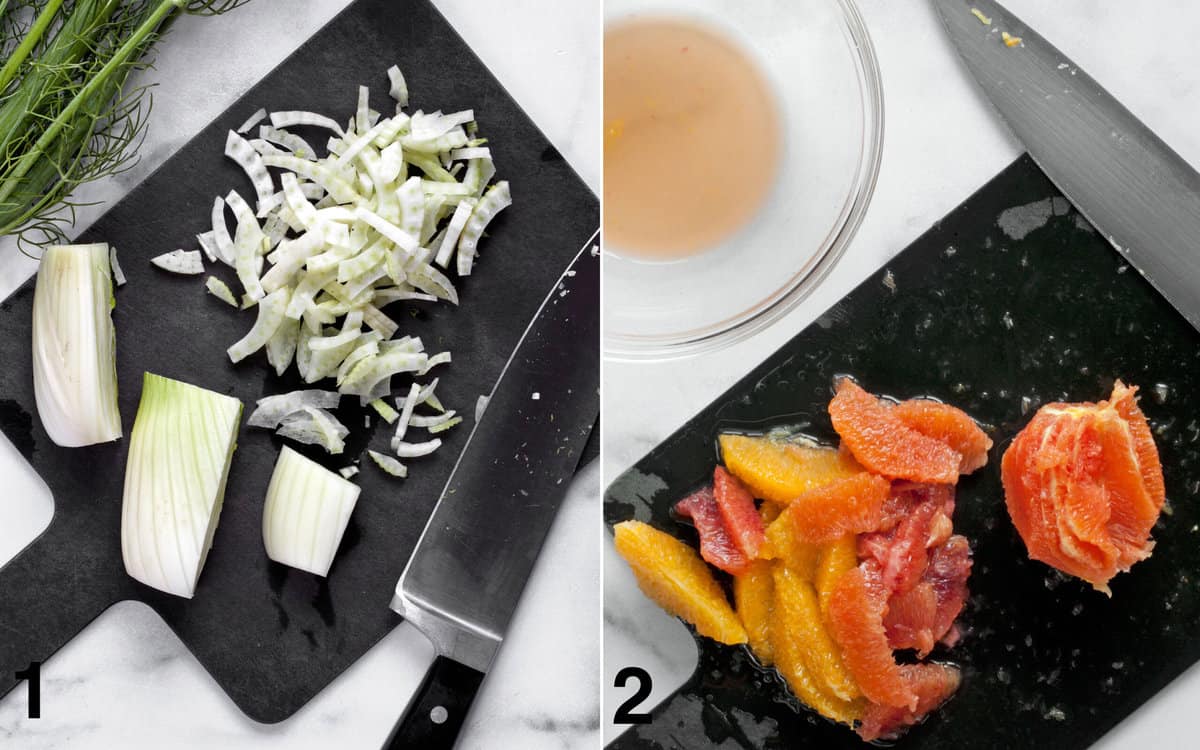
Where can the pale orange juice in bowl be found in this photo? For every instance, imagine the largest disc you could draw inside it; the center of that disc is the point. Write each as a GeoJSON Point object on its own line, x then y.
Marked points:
{"type": "Point", "coordinates": [691, 137]}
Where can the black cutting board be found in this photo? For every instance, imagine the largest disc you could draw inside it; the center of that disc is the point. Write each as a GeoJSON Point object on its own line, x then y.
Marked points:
{"type": "Point", "coordinates": [997, 326]}
{"type": "Point", "coordinates": [273, 637]}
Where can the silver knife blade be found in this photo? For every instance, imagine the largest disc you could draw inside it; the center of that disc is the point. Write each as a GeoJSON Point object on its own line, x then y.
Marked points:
{"type": "Point", "coordinates": [468, 570]}
{"type": "Point", "coordinates": [1128, 183]}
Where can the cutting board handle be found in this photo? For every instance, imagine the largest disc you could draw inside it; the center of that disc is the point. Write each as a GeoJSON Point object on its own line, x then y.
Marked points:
{"type": "Point", "coordinates": [48, 593]}
{"type": "Point", "coordinates": [437, 711]}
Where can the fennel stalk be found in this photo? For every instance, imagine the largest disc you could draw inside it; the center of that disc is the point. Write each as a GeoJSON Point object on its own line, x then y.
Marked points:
{"type": "Point", "coordinates": [65, 118]}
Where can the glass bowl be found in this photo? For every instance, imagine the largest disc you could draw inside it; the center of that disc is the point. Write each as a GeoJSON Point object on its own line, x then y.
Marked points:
{"type": "Point", "coordinates": [818, 58]}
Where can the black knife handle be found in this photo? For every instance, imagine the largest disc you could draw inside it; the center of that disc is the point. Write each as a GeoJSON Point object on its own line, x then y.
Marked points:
{"type": "Point", "coordinates": [436, 713]}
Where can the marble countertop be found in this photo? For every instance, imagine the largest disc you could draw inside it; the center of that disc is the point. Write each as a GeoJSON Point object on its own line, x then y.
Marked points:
{"type": "Point", "coordinates": [126, 680]}
{"type": "Point", "coordinates": [942, 142]}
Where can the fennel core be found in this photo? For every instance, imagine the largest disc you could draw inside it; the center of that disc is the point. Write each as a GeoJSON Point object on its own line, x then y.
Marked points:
{"type": "Point", "coordinates": [64, 117]}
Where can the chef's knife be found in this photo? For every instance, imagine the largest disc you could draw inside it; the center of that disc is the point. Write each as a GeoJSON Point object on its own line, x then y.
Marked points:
{"type": "Point", "coordinates": [1128, 183]}
{"type": "Point", "coordinates": [468, 570]}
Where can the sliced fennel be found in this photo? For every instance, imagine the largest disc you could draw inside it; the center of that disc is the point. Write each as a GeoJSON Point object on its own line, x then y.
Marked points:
{"type": "Point", "coordinates": [74, 346]}
{"type": "Point", "coordinates": [386, 412]}
{"type": "Point", "coordinates": [186, 262]}
{"type": "Point", "coordinates": [348, 471]}
{"type": "Point", "coordinates": [220, 290]}
{"type": "Point", "coordinates": [313, 426]}
{"type": "Point", "coordinates": [118, 273]}
{"type": "Point", "coordinates": [273, 409]}
{"type": "Point", "coordinates": [179, 453]}
{"type": "Point", "coordinates": [388, 464]}
{"type": "Point", "coordinates": [338, 236]}
{"type": "Point", "coordinates": [415, 450]}
{"type": "Point", "coordinates": [252, 120]}
{"type": "Point", "coordinates": [306, 513]}
{"type": "Point", "coordinates": [270, 316]}
{"type": "Point", "coordinates": [443, 426]}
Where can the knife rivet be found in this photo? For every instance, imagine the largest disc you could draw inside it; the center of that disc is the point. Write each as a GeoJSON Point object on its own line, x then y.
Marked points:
{"type": "Point", "coordinates": [439, 715]}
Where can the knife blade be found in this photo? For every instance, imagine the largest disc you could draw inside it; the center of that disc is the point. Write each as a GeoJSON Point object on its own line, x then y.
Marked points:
{"type": "Point", "coordinates": [1126, 180]}
{"type": "Point", "coordinates": [467, 572]}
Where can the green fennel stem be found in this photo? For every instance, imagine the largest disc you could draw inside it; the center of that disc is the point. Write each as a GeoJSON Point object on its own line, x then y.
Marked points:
{"type": "Point", "coordinates": [44, 19]}
{"type": "Point", "coordinates": [164, 9]}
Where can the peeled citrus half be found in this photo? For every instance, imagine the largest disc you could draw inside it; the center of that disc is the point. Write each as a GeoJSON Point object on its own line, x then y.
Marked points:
{"type": "Point", "coordinates": [1084, 486]}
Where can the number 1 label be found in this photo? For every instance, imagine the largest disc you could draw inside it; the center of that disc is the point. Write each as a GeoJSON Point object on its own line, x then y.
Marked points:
{"type": "Point", "coordinates": [33, 676]}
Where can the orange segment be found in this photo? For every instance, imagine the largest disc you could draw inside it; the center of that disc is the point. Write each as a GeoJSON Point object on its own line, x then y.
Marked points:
{"type": "Point", "coordinates": [769, 510]}
{"type": "Point", "coordinates": [673, 575]}
{"type": "Point", "coordinates": [836, 558]}
{"type": "Point", "coordinates": [779, 470]}
{"type": "Point", "coordinates": [884, 444]}
{"type": "Point", "coordinates": [948, 425]}
{"type": "Point", "coordinates": [784, 544]}
{"type": "Point", "coordinates": [790, 663]}
{"type": "Point", "coordinates": [798, 614]}
{"type": "Point", "coordinates": [753, 592]}
{"type": "Point", "coordinates": [845, 506]}
{"type": "Point", "coordinates": [856, 610]}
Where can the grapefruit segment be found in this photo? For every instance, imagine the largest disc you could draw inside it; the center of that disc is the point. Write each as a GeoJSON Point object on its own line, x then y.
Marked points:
{"type": "Point", "coordinates": [856, 610]}
{"type": "Point", "coordinates": [911, 618]}
{"type": "Point", "coordinates": [670, 573]}
{"type": "Point", "coordinates": [948, 425]}
{"type": "Point", "coordinates": [753, 595]}
{"type": "Point", "coordinates": [716, 544]}
{"type": "Point", "coordinates": [884, 444]}
{"type": "Point", "coordinates": [779, 470]}
{"type": "Point", "coordinates": [1083, 485]}
{"type": "Point", "coordinates": [933, 684]}
{"type": "Point", "coordinates": [741, 518]}
{"type": "Point", "coordinates": [845, 506]}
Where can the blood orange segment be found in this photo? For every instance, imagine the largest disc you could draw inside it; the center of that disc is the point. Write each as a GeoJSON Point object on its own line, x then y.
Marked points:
{"type": "Point", "coordinates": [845, 506]}
{"type": "Point", "coordinates": [741, 518]}
{"type": "Point", "coordinates": [1084, 488]}
{"type": "Point", "coordinates": [836, 558]}
{"type": "Point", "coordinates": [753, 595]}
{"type": "Point", "coordinates": [716, 544]}
{"type": "Point", "coordinates": [884, 444]}
{"type": "Point", "coordinates": [855, 615]}
{"type": "Point", "coordinates": [948, 425]}
{"type": "Point", "coordinates": [933, 685]}
{"type": "Point", "coordinates": [779, 470]}
{"type": "Point", "coordinates": [798, 615]}
{"type": "Point", "coordinates": [673, 575]}
{"type": "Point", "coordinates": [949, 568]}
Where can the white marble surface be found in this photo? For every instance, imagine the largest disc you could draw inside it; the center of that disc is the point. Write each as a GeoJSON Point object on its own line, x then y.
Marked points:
{"type": "Point", "coordinates": [126, 680]}
{"type": "Point", "coordinates": [941, 143]}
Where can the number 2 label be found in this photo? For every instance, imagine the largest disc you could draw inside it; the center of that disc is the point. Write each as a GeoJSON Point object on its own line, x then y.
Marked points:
{"type": "Point", "coordinates": [625, 712]}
